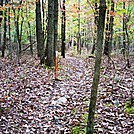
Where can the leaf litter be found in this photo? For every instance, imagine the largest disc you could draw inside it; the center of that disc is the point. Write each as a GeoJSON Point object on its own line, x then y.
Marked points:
{"type": "Point", "coordinates": [31, 101]}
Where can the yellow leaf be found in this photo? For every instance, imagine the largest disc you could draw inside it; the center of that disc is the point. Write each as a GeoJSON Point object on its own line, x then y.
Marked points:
{"type": "Point", "coordinates": [11, 14]}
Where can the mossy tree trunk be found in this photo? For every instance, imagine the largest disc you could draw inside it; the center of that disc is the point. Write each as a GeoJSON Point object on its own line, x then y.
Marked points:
{"type": "Point", "coordinates": [100, 36]}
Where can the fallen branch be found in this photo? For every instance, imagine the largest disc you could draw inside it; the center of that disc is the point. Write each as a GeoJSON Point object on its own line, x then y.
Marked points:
{"type": "Point", "coordinates": [28, 46]}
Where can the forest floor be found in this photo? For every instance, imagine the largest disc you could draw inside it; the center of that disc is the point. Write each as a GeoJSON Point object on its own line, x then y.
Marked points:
{"type": "Point", "coordinates": [32, 102]}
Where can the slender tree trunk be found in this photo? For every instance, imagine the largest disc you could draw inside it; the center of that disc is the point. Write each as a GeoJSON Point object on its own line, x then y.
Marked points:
{"type": "Point", "coordinates": [109, 31]}
{"type": "Point", "coordinates": [127, 37]}
{"type": "Point", "coordinates": [5, 31]}
{"type": "Point", "coordinates": [100, 36]}
{"type": "Point", "coordinates": [17, 28]}
{"type": "Point", "coordinates": [50, 35]}
{"type": "Point", "coordinates": [111, 24]}
{"type": "Point", "coordinates": [128, 45]}
{"type": "Point", "coordinates": [124, 36]}
{"type": "Point", "coordinates": [107, 36]}
{"type": "Point", "coordinates": [95, 27]}
{"type": "Point", "coordinates": [39, 33]}
{"type": "Point", "coordinates": [63, 30]}
{"type": "Point", "coordinates": [29, 36]}
{"type": "Point", "coordinates": [55, 26]}
{"type": "Point", "coordinates": [1, 15]}
{"type": "Point", "coordinates": [43, 15]}
{"type": "Point", "coordinates": [79, 36]}
{"type": "Point", "coordinates": [9, 33]}
{"type": "Point", "coordinates": [21, 27]}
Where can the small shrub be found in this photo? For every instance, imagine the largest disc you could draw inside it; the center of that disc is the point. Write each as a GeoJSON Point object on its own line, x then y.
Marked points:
{"type": "Point", "coordinates": [129, 107]}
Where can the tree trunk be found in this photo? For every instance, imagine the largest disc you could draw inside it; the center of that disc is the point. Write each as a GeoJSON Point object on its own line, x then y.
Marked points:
{"type": "Point", "coordinates": [9, 32]}
{"type": "Point", "coordinates": [39, 33]}
{"type": "Point", "coordinates": [100, 36]}
{"type": "Point", "coordinates": [63, 30]}
{"type": "Point", "coordinates": [1, 14]}
{"type": "Point", "coordinates": [29, 36]}
{"type": "Point", "coordinates": [50, 35]}
{"type": "Point", "coordinates": [106, 47]}
{"type": "Point", "coordinates": [128, 45]}
{"type": "Point", "coordinates": [79, 36]}
{"type": "Point", "coordinates": [109, 30]}
{"type": "Point", "coordinates": [5, 31]}
{"type": "Point", "coordinates": [55, 26]}
{"type": "Point", "coordinates": [43, 15]}
{"type": "Point", "coordinates": [18, 30]}
{"type": "Point", "coordinates": [111, 24]}
{"type": "Point", "coordinates": [124, 36]}
{"type": "Point", "coordinates": [95, 31]}
{"type": "Point", "coordinates": [126, 20]}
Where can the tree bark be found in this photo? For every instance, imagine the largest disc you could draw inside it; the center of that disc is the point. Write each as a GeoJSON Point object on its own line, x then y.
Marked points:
{"type": "Point", "coordinates": [79, 36]}
{"type": "Point", "coordinates": [109, 30]}
{"type": "Point", "coordinates": [124, 36]}
{"type": "Point", "coordinates": [111, 24]}
{"type": "Point", "coordinates": [9, 32]}
{"type": "Point", "coordinates": [39, 33]}
{"type": "Point", "coordinates": [63, 30]}
{"type": "Point", "coordinates": [1, 14]}
{"type": "Point", "coordinates": [4, 35]}
{"type": "Point", "coordinates": [55, 26]}
{"type": "Point", "coordinates": [126, 20]}
{"type": "Point", "coordinates": [107, 36]}
{"type": "Point", "coordinates": [100, 36]}
{"type": "Point", "coordinates": [50, 35]}
{"type": "Point", "coordinates": [95, 31]}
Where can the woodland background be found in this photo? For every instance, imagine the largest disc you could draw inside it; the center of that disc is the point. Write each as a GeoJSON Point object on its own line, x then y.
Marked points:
{"type": "Point", "coordinates": [88, 87]}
